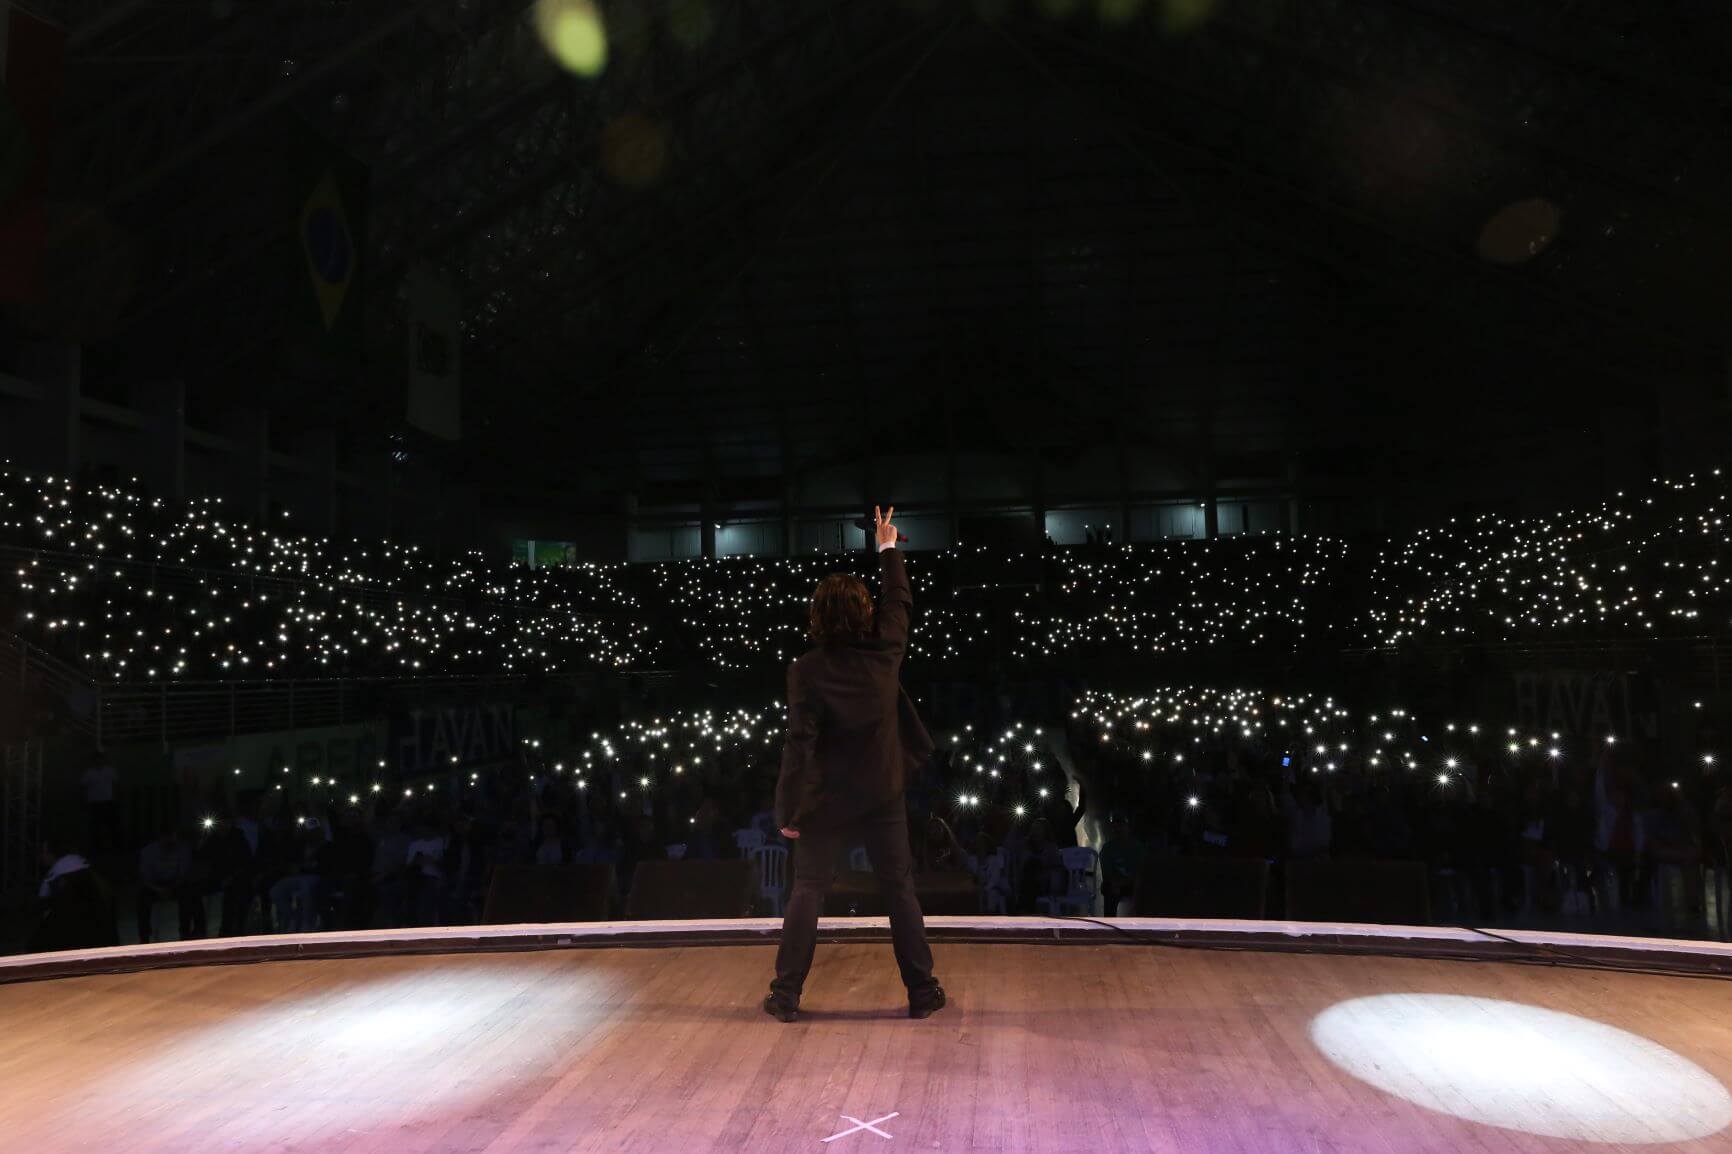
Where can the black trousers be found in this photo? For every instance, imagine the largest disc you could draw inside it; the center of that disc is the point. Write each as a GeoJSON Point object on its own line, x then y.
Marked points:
{"type": "Point", "coordinates": [884, 832]}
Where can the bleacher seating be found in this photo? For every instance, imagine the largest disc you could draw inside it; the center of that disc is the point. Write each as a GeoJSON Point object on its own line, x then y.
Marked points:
{"type": "Point", "coordinates": [135, 590]}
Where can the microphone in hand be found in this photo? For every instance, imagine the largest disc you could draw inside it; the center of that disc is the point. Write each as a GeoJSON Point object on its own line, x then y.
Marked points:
{"type": "Point", "coordinates": [883, 532]}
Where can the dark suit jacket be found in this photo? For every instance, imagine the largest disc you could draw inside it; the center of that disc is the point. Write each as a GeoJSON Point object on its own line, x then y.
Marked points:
{"type": "Point", "coordinates": [854, 736]}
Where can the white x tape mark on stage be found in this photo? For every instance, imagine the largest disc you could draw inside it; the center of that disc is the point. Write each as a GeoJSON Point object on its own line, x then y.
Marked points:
{"type": "Point", "coordinates": [859, 1126]}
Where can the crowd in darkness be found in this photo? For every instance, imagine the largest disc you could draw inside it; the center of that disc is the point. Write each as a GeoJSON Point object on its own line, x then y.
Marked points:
{"type": "Point", "coordinates": [1503, 820]}
{"type": "Point", "coordinates": [131, 590]}
{"type": "Point", "coordinates": [345, 856]}
{"type": "Point", "coordinates": [287, 862]}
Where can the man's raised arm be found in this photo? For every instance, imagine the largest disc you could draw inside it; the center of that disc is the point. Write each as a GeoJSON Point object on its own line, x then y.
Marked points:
{"type": "Point", "coordinates": [895, 594]}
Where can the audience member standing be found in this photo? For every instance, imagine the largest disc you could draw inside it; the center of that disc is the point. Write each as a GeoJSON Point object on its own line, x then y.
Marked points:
{"type": "Point", "coordinates": [1122, 858]}
{"type": "Point", "coordinates": [99, 781]}
{"type": "Point", "coordinates": [1061, 816]}
{"type": "Point", "coordinates": [165, 873]}
{"type": "Point", "coordinates": [77, 910]}
{"type": "Point", "coordinates": [344, 894]}
{"type": "Point", "coordinates": [427, 873]}
{"type": "Point", "coordinates": [245, 856]}
{"type": "Point", "coordinates": [390, 869]}
{"type": "Point", "coordinates": [1309, 824]}
{"type": "Point", "coordinates": [1618, 836]}
{"type": "Point", "coordinates": [551, 848]}
{"type": "Point", "coordinates": [292, 894]}
{"type": "Point", "coordinates": [1042, 868]}
{"type": "Point", "coordinates": [643, 844]}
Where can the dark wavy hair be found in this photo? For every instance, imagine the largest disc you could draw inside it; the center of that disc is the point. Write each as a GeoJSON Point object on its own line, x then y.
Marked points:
{"type": "Point", "coordinates": [841, 610]}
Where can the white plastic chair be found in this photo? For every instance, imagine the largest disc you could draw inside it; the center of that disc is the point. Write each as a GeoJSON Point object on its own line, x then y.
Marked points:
{"type": "Point", "coordinates": [1081, 885]}
{"type": "Point", "coordinates": [748, 840]}
{"type": "Point", "coordinates": [772, 874]}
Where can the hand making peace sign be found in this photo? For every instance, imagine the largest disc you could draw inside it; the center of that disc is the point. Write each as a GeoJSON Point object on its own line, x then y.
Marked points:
{"type": "Point", "coordinates": [886, 531]}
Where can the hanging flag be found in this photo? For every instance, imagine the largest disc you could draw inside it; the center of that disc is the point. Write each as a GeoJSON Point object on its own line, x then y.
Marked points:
{"type": "Point", "coordinates": [329, 247]}
{"type": "Point", "coordinates": [31, 55]}
{"type": "Point", "coordinates": [320, 263]}
{"type": "Point", "coordinates": [434, 315]}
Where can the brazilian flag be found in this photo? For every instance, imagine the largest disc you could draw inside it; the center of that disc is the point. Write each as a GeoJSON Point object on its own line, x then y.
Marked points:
{"type": "Point", "coordinates": [328, 243]}
{"type": "Point", "coordinates": [321, 266]}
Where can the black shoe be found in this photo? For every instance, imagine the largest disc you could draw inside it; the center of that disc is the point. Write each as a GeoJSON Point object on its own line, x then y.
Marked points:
{"type": "Point", "coordinates": [925, 1004]}
{"type": "Point", "coordinates": [778, 1008]}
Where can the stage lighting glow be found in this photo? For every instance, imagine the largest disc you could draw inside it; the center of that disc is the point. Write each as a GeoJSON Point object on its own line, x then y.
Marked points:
{"type": "Point", "coordinates": [692, 22]}
{"type": "Point", "coordinates": [1518, 232]}
{"type": "Point", "coordinates": [1119, 11]}
{"type": "Point", "coordinates": [574, 34]}
{"type": "Point", "coordinates": [1179, 16]}
{"type": "Point", "coordinates": [1523, 1068]}
{"type": "Point", "coordinates": [353, 1048]}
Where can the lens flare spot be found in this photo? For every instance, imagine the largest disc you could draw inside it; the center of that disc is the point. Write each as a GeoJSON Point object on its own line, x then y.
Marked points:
{"type": "Point", "coordinates": [1180, 16]}
{"type": "Point", "coordinates": [1518, 232]}
{"type": "Point", "coordinates": [574, 33]}
{"type": "Point", "coordinates": [1059, 9]}
{"type": "Point", "coordinates": [634, 150]}
{"type": "Point", "coordinates": [692, 23]}
{"type": "Point", "coordinates": [1120, 11]}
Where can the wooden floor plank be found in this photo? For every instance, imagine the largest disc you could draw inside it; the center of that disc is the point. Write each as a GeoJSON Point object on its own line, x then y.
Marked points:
{"type": "Point", "coordinates": [647, 1051]}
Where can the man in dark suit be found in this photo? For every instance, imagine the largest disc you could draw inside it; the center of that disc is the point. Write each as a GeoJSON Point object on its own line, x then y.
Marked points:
{"type": "Point", "coordinates": [853, 740]}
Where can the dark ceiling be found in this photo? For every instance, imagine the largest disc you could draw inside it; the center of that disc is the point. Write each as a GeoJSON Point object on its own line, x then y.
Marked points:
{"type": "Point", "coordinates": [773, 234]}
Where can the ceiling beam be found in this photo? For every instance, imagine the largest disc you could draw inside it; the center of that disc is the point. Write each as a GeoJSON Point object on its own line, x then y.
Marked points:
{"type": "Point", "coordinates": [1386, 87]}
{"type": "Point", "coordinates": [1550, 46]}
{"type": "Point", "coordinates": [399, 16]}
{"type": "Point", "coordinates": [114, 14]}
{"type": "Point", "coordinates": [1232, 176]}
{"type": "Point", "coordinates": [823, 154]}
{"type": "Point", "coordinates": [688, 314]}
{"type": "Point", "coordinates": [581, 153]}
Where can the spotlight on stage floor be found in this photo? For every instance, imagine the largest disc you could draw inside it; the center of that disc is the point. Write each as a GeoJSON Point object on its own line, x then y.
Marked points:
{"type": "Point", "coordinates": [345, 1054]}
{"type": "Point", "coordinates": [1523, 1068]}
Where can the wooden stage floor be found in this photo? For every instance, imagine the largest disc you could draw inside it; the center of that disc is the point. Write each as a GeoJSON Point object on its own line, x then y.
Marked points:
{"type": "Point", "coordinates": [1064, 1047]}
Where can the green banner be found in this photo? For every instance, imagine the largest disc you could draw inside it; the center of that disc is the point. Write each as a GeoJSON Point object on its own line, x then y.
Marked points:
{"type": "Point", "coordinates": [349, 753]}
